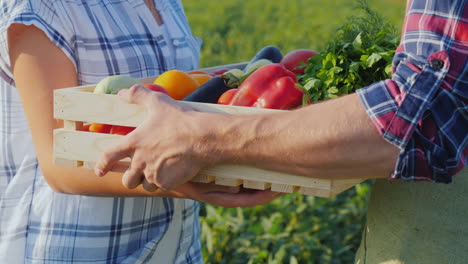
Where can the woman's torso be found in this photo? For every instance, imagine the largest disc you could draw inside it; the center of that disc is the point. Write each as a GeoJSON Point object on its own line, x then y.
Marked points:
{"type": "Point", "coordinates": [102, 38]}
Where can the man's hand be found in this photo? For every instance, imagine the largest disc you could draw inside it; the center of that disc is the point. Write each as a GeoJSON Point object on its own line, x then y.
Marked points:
{"type": "Point", "coordinates": [161, 148]}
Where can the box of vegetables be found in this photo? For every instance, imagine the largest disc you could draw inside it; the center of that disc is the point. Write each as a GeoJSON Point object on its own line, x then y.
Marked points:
{"type": "Point", "coordinates": [95, 118]}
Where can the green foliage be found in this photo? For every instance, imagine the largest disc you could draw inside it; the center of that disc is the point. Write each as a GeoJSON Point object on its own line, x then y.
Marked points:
{"type": "Point", "coordinates": [293, 228]}
{"type": "Point", "coordinates": [360, 54]}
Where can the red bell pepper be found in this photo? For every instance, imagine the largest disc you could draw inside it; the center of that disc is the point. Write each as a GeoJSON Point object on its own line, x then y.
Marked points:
{"type": "Point", "coordinates": [271, 86]}
{"type": "Point", "coordinates": [121, 130]}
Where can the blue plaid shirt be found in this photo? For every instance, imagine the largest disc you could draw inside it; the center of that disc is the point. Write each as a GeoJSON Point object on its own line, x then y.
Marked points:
{"type": "Point", "coordinates": [101, 38]}
{"type": "Point", "coordinates": [423, 109]}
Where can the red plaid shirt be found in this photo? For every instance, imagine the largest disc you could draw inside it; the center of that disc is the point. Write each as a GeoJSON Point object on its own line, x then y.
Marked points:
{"type": "Point", "coordinates": [423, 109]}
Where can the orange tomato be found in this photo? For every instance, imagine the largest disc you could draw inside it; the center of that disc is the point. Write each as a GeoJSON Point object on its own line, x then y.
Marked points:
{"type": "Point", "coordinates": [177, 83]}
{"type": "Point", "coordinates": [201, 78]}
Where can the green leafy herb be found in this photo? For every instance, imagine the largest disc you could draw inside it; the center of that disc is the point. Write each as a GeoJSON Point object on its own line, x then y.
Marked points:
{"type": "Point", "coordinates": [359, 55]}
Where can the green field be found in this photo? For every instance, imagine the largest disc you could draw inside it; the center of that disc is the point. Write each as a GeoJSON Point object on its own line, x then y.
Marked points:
{"type": "Point", "coordinates": [234, 30]}
{"type": "Point", "coordinates": [293, 228]}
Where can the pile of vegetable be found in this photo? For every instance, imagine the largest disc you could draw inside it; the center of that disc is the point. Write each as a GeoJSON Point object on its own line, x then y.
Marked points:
{"type": "Point", "coordinates": [176, 84]}
{"type": "Point", "coordinates": [360, 54]}
{"type": "Point", "coordinates": [264, 82]}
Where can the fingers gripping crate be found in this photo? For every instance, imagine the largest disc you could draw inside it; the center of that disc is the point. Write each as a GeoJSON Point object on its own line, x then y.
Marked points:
{"type": "Point", "coordinates": [75, 148]}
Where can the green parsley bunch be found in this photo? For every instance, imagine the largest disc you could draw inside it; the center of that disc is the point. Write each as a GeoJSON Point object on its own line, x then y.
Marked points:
{"type": "Point", "coordinates": [360, 54]}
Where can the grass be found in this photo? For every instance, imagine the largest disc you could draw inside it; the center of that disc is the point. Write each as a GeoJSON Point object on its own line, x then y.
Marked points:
{"type": "Point", "coordinates": [293, 228]}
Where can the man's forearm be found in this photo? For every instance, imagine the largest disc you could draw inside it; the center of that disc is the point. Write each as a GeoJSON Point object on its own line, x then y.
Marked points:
{"type": "Point", "coordinates": [333, 139]}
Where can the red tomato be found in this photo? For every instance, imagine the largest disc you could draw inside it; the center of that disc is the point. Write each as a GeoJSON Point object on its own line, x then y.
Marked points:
{"type": "Point", "coordinates": [227, 96]}
{"type": "Point", "coordinates": [121, 130]}
{"type": "Point", "coordinates": [99, 128]}
{"type": "Point", "coordinates": [292, 60]}
{"type": "Point", "coordinates": [85, 127]}
{"type": "Point", "coordinates": [156, 88]}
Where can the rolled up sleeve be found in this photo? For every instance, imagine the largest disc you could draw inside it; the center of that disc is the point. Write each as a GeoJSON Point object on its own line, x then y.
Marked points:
{"type": "Point", "coordinates": [423, 108]}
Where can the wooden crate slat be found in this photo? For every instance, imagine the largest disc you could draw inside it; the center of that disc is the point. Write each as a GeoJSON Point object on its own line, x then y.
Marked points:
{"type": "Point", "coordinates": [120, 166]}
{"type": "Point", "coordinates": [228, 181]}
{"type": "Point", "coordinates": [256, 185]}
{"type": "Point", "coordinates": [250, 173]}
{"type": "Point", "coordinates": [87, 147]}
{"type": "Point", "coordinates": [203, 178]}
{"type": "Point", "coordinates": [68, 163]}
{"type": "Point", "coordinates": [72, 125]}
{"type": "Point", "coordinates": [110, 109]}
{"type": "Point", "coordinates": [99, 108]}
{"type": "Point", "coordinates": [284, 188]}
{"type": "Point", "coordinates": [345, 184]}
{"type": "Point", "coordinates": [84, 146]}
{"type": "Point", "coordinates": [315, 191]}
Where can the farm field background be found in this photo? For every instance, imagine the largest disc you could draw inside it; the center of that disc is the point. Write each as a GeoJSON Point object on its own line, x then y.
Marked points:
{"type": "Point", "coordinates": [293, 228]}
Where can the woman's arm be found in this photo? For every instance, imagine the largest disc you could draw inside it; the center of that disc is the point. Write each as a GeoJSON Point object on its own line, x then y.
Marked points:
{"type": "Point", "coordinates": [39, 67]}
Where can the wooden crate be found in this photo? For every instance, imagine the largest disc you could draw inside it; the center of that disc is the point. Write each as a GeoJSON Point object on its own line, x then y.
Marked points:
{"type": "Point", "coordinates": [75, 148]}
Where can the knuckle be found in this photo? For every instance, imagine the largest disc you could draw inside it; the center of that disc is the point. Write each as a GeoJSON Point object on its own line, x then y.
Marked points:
{"type": "Point", "coordinates": [138, 164]}
{"type": "Point", "coordinates": [106, 158]}
{"type": "Point", "coordinates": [154, 98]}
{"type": "Point", "coordinates": [149, 176]}
{"type": "Point", "coordinates": [163, 184]}
{"type": "Point", "coordinates": [150, 187]}
{"type": "Point", "coordinates": [131, 142]}
{"type": "Point", "coordinates": [128, 182]}
{"type": "Point", "coordinates": [133, 90]}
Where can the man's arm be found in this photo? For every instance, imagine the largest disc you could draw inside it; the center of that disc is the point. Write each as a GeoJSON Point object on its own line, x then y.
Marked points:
{"type": "Point", "coordinates": [333, 139]}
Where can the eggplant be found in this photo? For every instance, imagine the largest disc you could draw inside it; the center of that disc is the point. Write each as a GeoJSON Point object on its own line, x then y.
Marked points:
{"type": "Point", "coordinates": [209, 92]}
{"type": "Point", "coordinates": [270, 53]}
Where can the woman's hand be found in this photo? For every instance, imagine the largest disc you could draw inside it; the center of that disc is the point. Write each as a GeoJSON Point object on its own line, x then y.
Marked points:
{"type": "Point", "coordinates": [162, 148]}
{"type": "Point", "coordinates": [223, 195]}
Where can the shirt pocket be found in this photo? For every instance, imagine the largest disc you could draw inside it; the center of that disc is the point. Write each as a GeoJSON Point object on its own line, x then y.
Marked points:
{"type": "Point", "coordinates": [187, 52]}
{"type": "Point", "coordinates": [419, 81]}
{"type": "Point", "coordinates": [420, 77]}
{"type": "Point", "coordinates": [185, 46]}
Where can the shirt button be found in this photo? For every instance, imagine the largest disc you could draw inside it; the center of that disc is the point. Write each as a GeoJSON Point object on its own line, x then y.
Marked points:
{"type": "Point", "coordinates": [175, 42]}
{"type": "Point", "coordinates": [437, 64]}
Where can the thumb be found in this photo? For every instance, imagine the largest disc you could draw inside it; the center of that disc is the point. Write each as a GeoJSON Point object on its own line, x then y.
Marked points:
{"type": "Point", "coordinates": [137, 94]}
